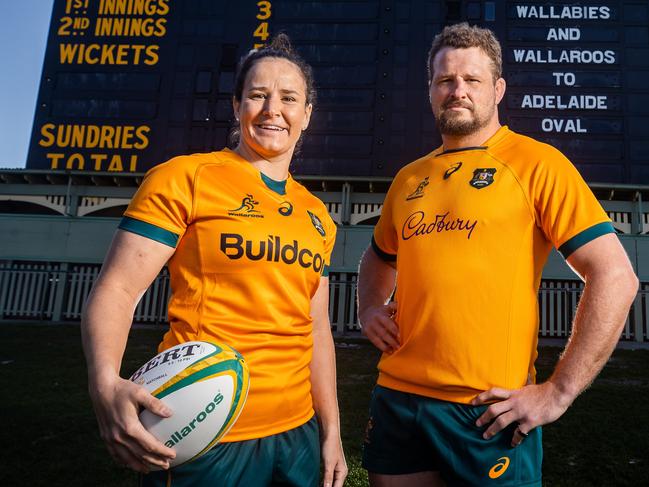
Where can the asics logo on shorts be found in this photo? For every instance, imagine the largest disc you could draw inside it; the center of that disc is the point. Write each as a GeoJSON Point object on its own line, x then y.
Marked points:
{"type": "Point", "coordinates": [499, 468]}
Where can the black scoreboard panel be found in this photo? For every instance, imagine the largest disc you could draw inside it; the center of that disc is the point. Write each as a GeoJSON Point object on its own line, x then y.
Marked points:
{"type": "Point", "coordinates": [128, 84]}
{"type": "Point", "coordinates": [574, 73]}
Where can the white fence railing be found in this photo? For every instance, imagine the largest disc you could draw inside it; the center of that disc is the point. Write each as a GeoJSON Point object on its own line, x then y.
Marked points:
{"type": "Point", "coordinates": [56, 292]}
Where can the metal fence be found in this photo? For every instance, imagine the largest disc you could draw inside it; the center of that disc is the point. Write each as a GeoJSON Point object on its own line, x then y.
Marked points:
{"type": "Point", "coordinates": [56, 292]}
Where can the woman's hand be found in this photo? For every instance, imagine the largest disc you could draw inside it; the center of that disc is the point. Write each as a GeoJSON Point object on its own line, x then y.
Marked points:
{"type": "Point", "coordinates": [117, 403]}
{"type": "Point", "coordinates": [333, 462]}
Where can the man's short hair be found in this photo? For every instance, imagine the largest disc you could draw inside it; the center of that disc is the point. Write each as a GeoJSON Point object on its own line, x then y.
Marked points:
{"type": "Point", "coordinates": [463, 36]}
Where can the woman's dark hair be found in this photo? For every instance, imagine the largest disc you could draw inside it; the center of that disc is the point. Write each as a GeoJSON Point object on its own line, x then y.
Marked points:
{"type": "Point", "coordinates": [279, 47]}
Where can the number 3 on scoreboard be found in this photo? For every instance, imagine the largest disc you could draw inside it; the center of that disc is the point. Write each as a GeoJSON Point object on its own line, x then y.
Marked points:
{"type": "Point", "coordinates": [264, 10]}
{"type": "Point", "coordinates": [262, 29]}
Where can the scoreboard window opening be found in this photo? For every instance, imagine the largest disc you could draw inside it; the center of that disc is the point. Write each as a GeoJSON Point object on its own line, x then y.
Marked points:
{"type": "Point", "coordinates": [203, 82]}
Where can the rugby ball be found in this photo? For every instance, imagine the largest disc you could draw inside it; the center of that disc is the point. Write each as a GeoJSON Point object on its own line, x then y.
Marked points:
{"type": "Point", "coordinates": [205, 385]}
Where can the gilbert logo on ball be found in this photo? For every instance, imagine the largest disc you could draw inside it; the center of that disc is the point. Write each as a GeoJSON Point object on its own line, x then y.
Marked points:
{"type": "Point", "coordinates": [205, 385]}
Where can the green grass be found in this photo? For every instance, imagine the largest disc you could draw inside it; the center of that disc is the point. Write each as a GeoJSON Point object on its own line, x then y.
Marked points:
{"type": "Point", "coordinates": [49, 434]}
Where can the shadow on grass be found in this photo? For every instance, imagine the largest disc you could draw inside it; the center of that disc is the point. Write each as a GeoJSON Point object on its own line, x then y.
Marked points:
{"type": "Point", "coordinates": [49, 435]}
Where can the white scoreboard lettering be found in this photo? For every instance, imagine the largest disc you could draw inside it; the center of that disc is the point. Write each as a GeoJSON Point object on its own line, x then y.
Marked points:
{"type": "Point", "coordinates": [565, 46]}
{"type": "Point", "coordinates": [567, 79]}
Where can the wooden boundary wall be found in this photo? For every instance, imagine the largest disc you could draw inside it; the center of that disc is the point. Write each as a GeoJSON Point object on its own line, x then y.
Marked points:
{"type": "Point", "coordinates": [55, 292]}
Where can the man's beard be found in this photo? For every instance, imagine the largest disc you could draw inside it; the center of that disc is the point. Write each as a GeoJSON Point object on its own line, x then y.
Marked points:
{"type": "Point", "coordinates": [450, 123]}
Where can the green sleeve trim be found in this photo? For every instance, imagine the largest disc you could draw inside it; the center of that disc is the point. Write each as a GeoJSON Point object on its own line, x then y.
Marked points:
{"type": "Point", "coordinates": [149, 231]}
{"type": "Point", "coordinates": [325, 271]}
{"type": "Point", "coordinates": [584, 237]}
{"type": "Point", "coordinates": [382, 254]}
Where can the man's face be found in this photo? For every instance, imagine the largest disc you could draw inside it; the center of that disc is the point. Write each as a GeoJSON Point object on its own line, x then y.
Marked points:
{"type": "Point", "coordinates": [463, 94]}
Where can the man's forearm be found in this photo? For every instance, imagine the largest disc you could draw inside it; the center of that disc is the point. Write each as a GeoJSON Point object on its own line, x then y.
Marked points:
{"type": "Point", "coordinates": [599, 320]}
{"type": "Point", "coordinates": [376, 281]}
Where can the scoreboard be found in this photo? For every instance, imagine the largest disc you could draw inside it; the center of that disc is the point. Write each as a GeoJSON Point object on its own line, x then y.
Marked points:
{"type": "Point", "coordinates": [574, 72]}
{"type": "Point", "coordinates": [127, 84]}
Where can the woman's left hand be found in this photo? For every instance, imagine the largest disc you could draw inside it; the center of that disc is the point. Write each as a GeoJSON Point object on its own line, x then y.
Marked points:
{"type": "Point", "coordinates": [333, 462]}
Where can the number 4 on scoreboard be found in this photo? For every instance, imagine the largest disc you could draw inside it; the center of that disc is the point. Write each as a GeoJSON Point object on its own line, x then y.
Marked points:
{"type": "Point", "coordinates": [261, 31]}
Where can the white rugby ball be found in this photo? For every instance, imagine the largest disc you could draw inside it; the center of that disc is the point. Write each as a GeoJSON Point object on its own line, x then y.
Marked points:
{"type": "Point", "coordinates": [205, 385]}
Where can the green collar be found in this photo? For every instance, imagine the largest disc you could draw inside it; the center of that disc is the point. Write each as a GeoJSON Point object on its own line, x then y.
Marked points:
{"type": "Point", "coordinates": [278, 186]}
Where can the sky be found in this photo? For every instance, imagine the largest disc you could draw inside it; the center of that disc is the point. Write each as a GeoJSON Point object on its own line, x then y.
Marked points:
{"type": "Point", "coordinates": [24, 25]}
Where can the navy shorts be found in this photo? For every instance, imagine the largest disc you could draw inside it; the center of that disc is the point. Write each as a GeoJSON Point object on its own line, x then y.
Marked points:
{"type": "Point", "coordinates": [408, 433]}
{"type": "Point", "coordinates": [290, 459]}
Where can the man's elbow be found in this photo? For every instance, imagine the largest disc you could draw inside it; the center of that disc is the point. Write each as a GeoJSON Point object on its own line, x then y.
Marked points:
{"type": "Point", "coordinates": [625, 282]}
{"type": "Point", "coordinates": [632, 283]}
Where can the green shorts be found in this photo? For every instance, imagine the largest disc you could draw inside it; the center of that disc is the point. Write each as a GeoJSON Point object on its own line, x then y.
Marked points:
{"type": "Point", "coordinates": [408, 433]}
{"type": "Point", "coordinates": [286, 459]}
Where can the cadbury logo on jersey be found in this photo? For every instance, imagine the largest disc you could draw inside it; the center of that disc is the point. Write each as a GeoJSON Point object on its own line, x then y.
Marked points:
{"type": "Point", "coordinates": [416, 225]}
{"type": "Point", "coordinates": [234, 246]}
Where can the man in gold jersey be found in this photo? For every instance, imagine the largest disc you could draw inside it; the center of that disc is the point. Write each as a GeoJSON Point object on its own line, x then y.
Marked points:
{"type": "Point", "coordinates": [464, 234]}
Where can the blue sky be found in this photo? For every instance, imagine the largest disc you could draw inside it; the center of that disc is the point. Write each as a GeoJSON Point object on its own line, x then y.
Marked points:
{"type": "Point", "coordinates": [24, 26]}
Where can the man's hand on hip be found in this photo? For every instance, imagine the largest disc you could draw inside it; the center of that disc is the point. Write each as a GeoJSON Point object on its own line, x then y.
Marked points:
{"type": "Point", "coordinates": [377, 324]}
{"type": "Point", "coordinates": [531, 406]}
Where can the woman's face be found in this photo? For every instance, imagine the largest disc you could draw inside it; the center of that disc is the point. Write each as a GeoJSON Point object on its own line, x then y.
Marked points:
{"type": "Point", "coordinates": [273, 111]}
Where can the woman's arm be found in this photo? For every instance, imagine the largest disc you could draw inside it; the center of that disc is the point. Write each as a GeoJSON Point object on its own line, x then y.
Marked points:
{"type": "Point", "coordinates": [323, 388]}
{"type": "Point", "coordinates": [131, 264]}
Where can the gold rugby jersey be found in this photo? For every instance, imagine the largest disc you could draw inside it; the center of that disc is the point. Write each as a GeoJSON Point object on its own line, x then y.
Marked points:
{"type": "Point", "coordinates": [471, 230]}
{"type": "Point", "coordinates": [249, 256]}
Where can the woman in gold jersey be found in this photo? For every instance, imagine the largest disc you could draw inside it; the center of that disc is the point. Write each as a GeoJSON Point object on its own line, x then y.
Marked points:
{"type": "Point", "coordinates": [247, 249]}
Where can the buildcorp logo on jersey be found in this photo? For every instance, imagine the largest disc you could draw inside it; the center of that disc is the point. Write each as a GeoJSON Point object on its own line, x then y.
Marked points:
{"type": "Point", "coordinates": [234, 246]}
